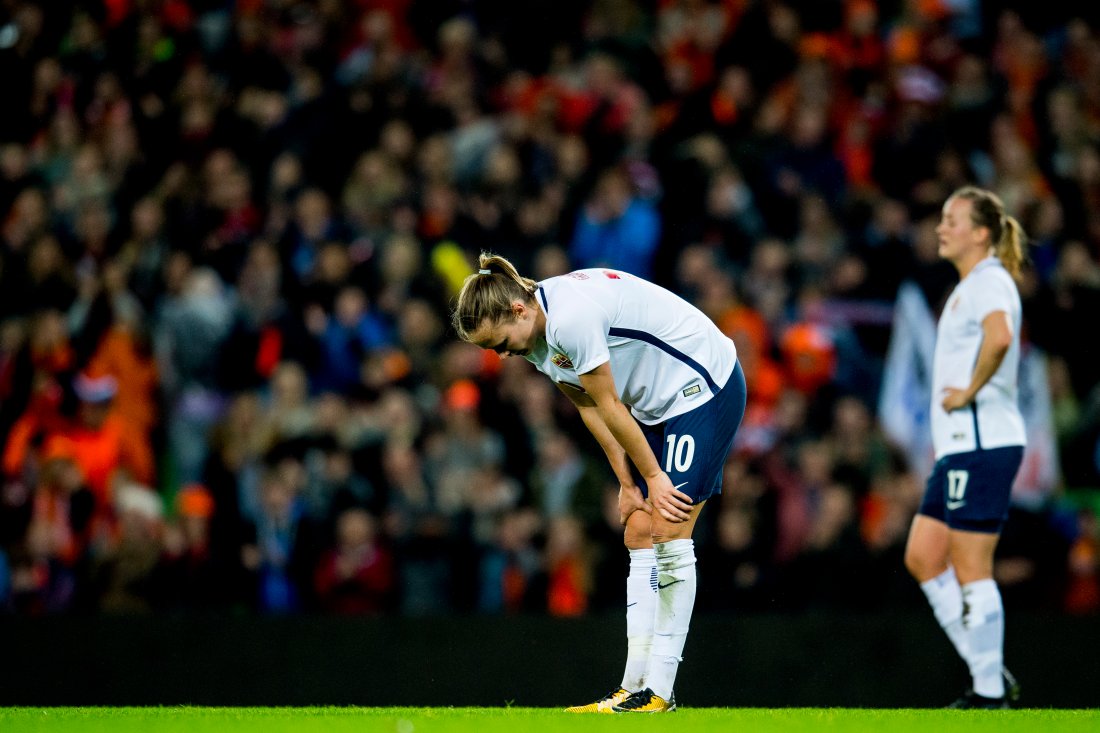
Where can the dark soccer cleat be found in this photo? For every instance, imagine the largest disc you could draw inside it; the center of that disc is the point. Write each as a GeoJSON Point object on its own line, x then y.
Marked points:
{"type": "Point", "coordinates": [604, 704]}
{"type": "Point", "coordinates": [646, 701]}
{"type": "Point", "coordinates": [973, 701]}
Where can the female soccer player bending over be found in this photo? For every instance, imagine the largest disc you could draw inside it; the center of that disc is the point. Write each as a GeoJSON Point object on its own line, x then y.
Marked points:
{"type": "Point", "coordinates": [659, 387]}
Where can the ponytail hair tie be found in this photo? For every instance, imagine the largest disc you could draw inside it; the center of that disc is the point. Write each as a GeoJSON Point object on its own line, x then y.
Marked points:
{"type": "Point", "coordinates": [483, 272]}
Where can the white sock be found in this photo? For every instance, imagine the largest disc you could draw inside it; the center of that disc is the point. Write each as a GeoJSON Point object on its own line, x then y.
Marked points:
{"type": "Point", "coordinates": [641, 605]}
{"type": "Point", "coordinates": [675, 600]}
{"type": "Point", "coordinates": [984, 624]}
{"type": "Point", "coordinates": [945, 596]}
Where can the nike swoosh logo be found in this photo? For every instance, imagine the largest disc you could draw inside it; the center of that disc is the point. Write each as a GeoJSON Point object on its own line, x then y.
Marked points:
{"type": "Point", "coordinates": [659, 586]}
{"type": "Point", "coordinates": [635, 603]}
{"type": "Point", "coordinates": [679, 485]}
{"type": "Point", "coordinates": [953, 505]}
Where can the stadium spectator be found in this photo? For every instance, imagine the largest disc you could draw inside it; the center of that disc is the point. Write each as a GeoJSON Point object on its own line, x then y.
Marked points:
{"type": "Point", "coordinates": [617, 229]}
{"type": "Point", "coordinates": [356, 575]}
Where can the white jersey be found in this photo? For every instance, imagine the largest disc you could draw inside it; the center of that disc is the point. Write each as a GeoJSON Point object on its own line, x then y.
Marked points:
{"type": "Point", "coordinates": [667, 357]}
{"type": "Point", "coordinates": [993, 420]}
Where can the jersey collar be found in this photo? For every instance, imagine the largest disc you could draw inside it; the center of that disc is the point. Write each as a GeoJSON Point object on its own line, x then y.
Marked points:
{"type": "Point", "coordinates": [990, 261]}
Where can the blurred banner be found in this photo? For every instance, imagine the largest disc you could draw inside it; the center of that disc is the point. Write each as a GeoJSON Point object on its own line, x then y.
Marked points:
{"type": "Point", "coordinates": [903, 407]}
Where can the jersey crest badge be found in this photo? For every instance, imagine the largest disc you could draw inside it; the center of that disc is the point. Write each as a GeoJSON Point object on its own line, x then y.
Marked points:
{"type": "Point", "coordinates": [693, 389]}
{"type": "Point", "coordinates": [561, 361]}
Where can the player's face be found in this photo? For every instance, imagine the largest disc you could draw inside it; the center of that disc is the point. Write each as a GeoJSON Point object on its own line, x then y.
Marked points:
{"type": "Point", "coordinates": [956, 231]}
{"type": "Point", "coordinates": [514, 336]}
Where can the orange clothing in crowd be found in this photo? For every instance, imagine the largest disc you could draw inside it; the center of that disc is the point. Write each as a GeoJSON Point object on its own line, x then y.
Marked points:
{"type": "Point", "coordinates": [749, 331]}
{"type": "Point", "coordinates": [809, 356]}
{"type": "Point", "coordinates": [98, 452]}
{"type": "Point", "coordinates": [135, 373]}
{"type": "Point", "coordinates": [566, 595]}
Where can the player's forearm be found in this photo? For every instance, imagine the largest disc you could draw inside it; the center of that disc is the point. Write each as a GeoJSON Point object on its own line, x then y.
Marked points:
{"type": "Point", "coordinates": [628, 435]}
{"type": "Point", "coordinates": [616, 456]}
{"type": "Point", "coordinates": [990, 357]}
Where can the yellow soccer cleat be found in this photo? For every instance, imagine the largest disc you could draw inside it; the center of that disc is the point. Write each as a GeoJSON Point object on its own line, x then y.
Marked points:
{"type": "Point", "coordinates": [646, 702]}
{"type": "Point", "coordinates": [604, 704]}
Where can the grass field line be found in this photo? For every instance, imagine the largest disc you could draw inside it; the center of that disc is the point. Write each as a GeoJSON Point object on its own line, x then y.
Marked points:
{"type": "Point", "coordinates": [490, 720]}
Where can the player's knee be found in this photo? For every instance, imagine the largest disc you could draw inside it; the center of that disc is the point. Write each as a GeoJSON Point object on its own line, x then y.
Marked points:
{"type": "Point", "coordinates": [913, 562]}
{"type": "Point", "coordinates": [972, 566]}
{"type": "Point", "coordinates": [921, 565]}
{"type": "Point", "coordinates": [637, 533]}
{"type": "Point", "coordinates": [666, 532]}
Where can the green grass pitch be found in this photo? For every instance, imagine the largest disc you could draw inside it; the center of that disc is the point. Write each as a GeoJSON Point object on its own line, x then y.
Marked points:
{"type": "Point", "coordinates": [509, 720]}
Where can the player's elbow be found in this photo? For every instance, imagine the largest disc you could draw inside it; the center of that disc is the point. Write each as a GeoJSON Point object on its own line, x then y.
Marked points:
{"type": "Point", "coordinates": [608, 402]}
{"type": "Point", "coordinates": [1000, 343]}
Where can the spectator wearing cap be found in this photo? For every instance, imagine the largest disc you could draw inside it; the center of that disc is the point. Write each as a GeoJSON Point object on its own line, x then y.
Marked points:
{"type": "Point", "coordinates": [102, 443]}
{"type": "Point", "coordinates": [461, 447]}
{"type": "Point", "coordinates": [194, 573]}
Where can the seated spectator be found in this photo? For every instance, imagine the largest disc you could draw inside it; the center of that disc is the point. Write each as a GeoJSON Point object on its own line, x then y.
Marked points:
{"type": "Point", "coordinates": [40, 584]}
{"type": "Point", "coordinates": [195, 572]}
{"type": "Point", "coordinates": [510, 566]}
{"type": "Point", "coordinates": [356, 575]}
{"type": "Point", "coordinates": [123, 574]}
{"type": "Point", "coordinates": [568, 567]}
{"type": "Point", "coordinates": [280, 545]}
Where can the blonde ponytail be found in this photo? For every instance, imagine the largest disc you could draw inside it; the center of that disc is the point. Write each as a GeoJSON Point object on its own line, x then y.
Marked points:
{"type": "Point", "coordinates": [1010, 247]}
{"type": "Point", "coordinates": [487, 296]}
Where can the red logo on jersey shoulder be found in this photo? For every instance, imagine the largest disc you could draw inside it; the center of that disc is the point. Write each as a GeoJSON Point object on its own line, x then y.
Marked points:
{"type": "Point", "coordinates": [611, 275]}
{"type": "Point", "coordinates": [561, 361]}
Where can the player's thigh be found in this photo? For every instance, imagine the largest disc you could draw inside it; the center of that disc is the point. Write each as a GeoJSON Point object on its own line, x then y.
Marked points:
{"type": "Point", "coordinates": [928, 549]}
{"type": "Point", "coordinates": [972, 554]}
{"type": "Point", "coordinates": [666, 531]}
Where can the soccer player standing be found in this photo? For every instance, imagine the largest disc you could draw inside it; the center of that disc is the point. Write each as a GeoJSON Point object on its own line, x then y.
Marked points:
{"type": "Point", "coordinates": [978, 436]}
{"type": "Point", "coordinates": [658, 386]}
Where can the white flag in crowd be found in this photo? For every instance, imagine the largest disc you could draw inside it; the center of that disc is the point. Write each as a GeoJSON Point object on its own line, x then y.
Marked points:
{"type": "Point", "coordinates": [907, 381]}
{"type": "Point", "coordinates": [1039, 473]}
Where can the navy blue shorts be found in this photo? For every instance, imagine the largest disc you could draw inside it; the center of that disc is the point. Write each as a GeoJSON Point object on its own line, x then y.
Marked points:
{"type": "Point", "coordinates": [970, 491]}
{"type": "Point", "coordinates": [692, 448]}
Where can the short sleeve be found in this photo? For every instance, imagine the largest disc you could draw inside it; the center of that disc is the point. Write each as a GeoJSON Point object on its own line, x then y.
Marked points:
{"type": "Point", "coordinates": [994, 294]}
{"type": "Point", "coordinates": [579, 330]}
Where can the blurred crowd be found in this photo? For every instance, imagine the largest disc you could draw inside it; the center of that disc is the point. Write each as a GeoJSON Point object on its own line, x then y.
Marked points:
{"type": "Point", "coordinates": [230, 233]}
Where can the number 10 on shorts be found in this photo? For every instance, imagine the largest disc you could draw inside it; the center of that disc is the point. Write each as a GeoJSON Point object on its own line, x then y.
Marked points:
{"type": "Point", "coordinates": [680, 451]}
